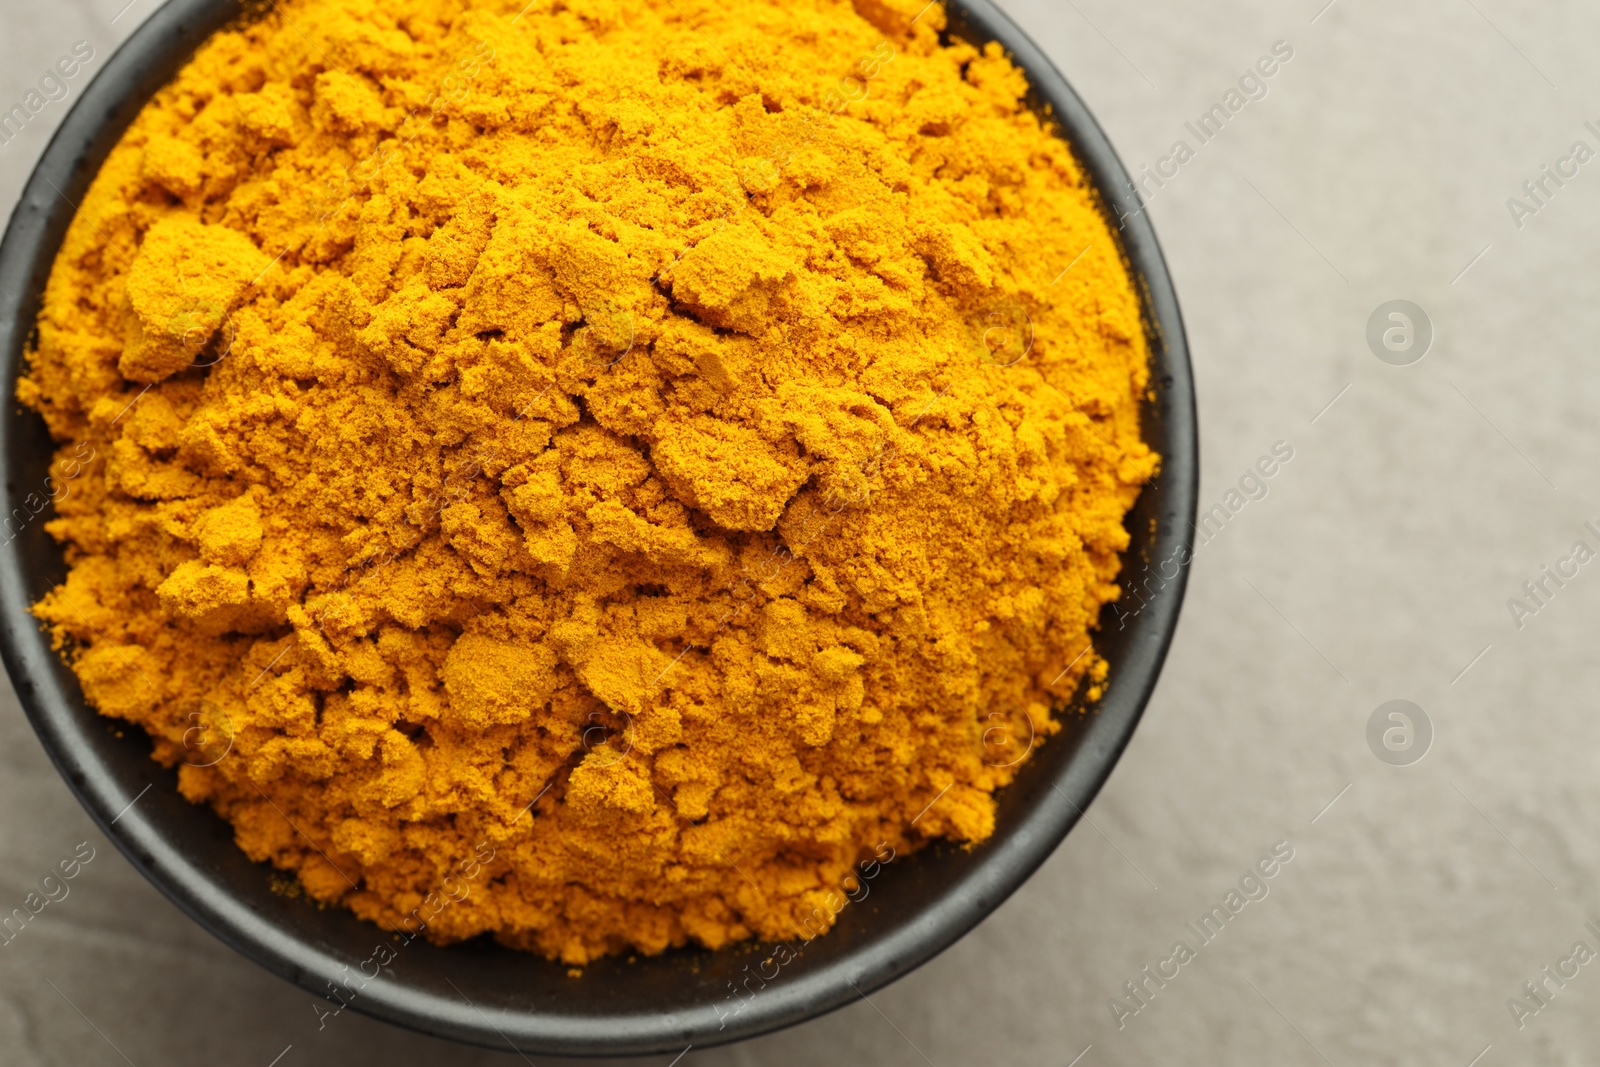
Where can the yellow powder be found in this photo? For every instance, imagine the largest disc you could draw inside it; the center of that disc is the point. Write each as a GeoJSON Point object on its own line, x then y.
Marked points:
{"type": "Point", "coordinates": [655, 445]}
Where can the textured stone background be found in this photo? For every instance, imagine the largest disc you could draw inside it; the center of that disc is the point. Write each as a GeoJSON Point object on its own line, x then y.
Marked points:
{"type": "Point", "coordinates": [1378, 567]}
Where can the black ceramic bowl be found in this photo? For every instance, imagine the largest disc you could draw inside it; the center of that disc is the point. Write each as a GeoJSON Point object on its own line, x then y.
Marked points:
{"type": "Point", "coordinates": [479, 992]}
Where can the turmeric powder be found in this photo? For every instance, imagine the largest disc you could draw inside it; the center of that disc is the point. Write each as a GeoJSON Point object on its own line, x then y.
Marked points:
{"type": "Point", "coordinates": [680, 445]}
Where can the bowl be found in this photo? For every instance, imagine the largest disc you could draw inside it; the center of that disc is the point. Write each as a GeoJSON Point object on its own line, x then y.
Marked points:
{"type": "Point", "coordinates": [479, 992]}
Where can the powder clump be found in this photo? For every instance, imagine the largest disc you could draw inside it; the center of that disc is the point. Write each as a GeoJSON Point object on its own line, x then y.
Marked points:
{"type": "Point", "coordinates": [666, 453]}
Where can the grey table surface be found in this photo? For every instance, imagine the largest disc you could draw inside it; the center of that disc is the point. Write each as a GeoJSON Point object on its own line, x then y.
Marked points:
{"type": "Point", "coordinates": [1381, 565]}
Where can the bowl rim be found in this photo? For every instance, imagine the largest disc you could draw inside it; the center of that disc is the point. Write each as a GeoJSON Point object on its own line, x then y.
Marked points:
{"type": "Point", "coordinates": [145, 61]}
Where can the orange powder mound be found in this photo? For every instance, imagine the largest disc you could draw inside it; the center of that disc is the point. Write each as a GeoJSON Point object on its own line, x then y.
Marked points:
{"type": "Point", "coordinates": [666, 447]}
